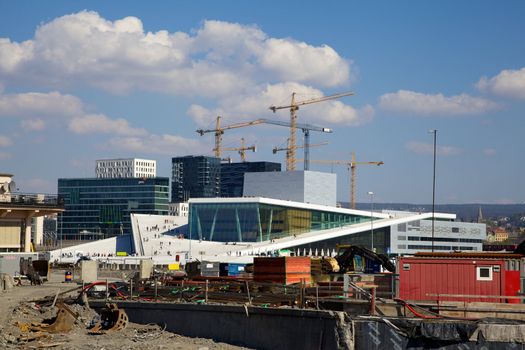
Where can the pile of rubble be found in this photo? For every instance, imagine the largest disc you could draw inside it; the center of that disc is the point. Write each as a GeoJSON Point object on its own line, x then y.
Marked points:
{"type": "Point", "coordinates": [49, 323]}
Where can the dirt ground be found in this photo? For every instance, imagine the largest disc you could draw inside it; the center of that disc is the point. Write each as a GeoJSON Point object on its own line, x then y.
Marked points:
{"type": "Point", "coordinates": [20, 305]}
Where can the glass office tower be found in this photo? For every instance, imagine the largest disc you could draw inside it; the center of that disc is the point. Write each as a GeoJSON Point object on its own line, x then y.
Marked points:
{"type": "Point", "coordinates": [100, 208]}
{"type": "Point", "coordinates": [195, 177]}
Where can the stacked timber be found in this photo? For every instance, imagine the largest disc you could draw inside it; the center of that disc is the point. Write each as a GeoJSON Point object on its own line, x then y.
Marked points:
{"type": "Point", "coordinates": [283, 270]}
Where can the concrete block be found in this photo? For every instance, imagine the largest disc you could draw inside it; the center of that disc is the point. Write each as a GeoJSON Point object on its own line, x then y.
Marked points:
{"type": "Point", "coordinates": [88, 271]}
{"type": "Point", "coordinates": [146, 269]}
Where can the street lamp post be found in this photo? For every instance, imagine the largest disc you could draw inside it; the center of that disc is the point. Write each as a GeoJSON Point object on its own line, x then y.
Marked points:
{"type": "Point", "coordinates": [433, 131]}
{"type": "Point", "coordinates": [371, 194]}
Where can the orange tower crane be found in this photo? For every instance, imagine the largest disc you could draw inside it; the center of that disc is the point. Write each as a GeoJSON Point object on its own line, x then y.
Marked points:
{"type": "Point", "coordinates": [294, 106]}
{"type": "Point", "coordinates": [352, 164]}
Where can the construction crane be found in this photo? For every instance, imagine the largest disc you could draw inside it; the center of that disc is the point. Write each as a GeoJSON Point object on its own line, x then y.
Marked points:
{"type": "Point", "coordinates": [306, 131]}
{"type": "Point", "coordinates": [241, 150]}
{"type": "Point", "coordinates": [220, 130]}
{"type": "Point", "coordinates": [352, 164]}
{"type": "Point", "coordinates": [294, 106]}
{"type": "Point", "coordinates": [306, 147]}
{"type": "Point", "coordinates": [278, 149]}
{"type": "Point", "coordinates": [305, 127]}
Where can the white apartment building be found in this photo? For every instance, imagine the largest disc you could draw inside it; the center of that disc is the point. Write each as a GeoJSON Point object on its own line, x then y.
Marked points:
{"type": "Point", "coordinates": [125, 168]}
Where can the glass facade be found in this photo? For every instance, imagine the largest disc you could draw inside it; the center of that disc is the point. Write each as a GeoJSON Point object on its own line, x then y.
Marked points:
{"type": "Point", "coordinates": [362, 239]}
{"type": "Point", "coordinates": [195, 177]}
{"type": "Point", "coordinates": [100, 208]}
{"type": "Point", "coordinates": [257, 222]}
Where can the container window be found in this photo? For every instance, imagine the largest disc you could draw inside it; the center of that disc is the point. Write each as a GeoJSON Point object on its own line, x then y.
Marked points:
{"type": "Point", "coordinates": [406, 267]}
{"type": "Point", "coordinates": [484, 273]}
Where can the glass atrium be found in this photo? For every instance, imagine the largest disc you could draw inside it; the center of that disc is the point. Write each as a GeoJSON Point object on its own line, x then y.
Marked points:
{"type": "Point", "coordinates": [257, 222]}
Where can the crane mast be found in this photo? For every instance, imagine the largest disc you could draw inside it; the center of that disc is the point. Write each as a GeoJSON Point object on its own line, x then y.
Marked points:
{"type": "Point", "coordinates": [219, 130]}
{"type": "Point", "coordinates": [294, 106]}
{"type": "Point", "coordinates": [352, 164]}
{"type": "Point", "coordinates": [241, 150]}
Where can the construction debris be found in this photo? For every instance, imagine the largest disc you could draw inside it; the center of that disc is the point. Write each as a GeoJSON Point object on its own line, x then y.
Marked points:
{"type": "Point", "coordinates": [111, 319]}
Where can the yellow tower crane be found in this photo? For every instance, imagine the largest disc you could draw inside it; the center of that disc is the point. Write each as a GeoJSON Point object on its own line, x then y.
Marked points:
{"type": "Point", "coordinates": [294, 106]}
{"type": "Point", "coordinates": [219, 130]}
{"type": "Point", "coordinates": [305, 146]}
{"type": "Point", "coordinates": [351, 167]}
{"type": "Point", "coordinates": [242, 150]}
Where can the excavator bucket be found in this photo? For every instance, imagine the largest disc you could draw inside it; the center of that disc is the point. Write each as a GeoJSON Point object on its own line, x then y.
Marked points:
{"type": "Point", "coordinates": [62, 323]}
{"type": "Point", "coordinates": [111, 319]}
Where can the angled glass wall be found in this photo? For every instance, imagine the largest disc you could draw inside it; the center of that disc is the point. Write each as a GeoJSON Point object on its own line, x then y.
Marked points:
{"type": "Point", "coordinates": [257, 222]}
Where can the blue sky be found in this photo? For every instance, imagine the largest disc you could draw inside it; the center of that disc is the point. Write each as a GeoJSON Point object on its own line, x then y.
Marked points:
{"type": "Point", "coordinates": [87, 80]}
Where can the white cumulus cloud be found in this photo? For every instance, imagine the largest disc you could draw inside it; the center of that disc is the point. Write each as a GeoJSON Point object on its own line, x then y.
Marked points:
{"type": "Point", "coordinates": [217, 59]}
{"type": "Point", "coordinates": [99, 123]}
{"type": "Point", "coordinates": [36, 104]}
{"type": "Point", "coordinates": [508, 83]}
{"type": "Point", "coordinates": [428, 148]}
{"type": "Point", "coordinates": [5, 141]}
{"type": "Point", "coordinates": [159, 144]}
{"type": "Point", "coordinates": [33, 124]}
{"type": "Point", "coordinates": [404, 101]}
{"type": "Point", "coordinates": [256, 105]}
{"type": "Point", "coordinates": [34, 109]}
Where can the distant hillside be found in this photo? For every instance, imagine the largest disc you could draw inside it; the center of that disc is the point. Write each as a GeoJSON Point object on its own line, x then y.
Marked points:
{"type": "Point", "coordinates": [465, 212]}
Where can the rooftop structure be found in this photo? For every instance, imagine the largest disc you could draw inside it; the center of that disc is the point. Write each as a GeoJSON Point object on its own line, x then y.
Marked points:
{"type": "Point", "coordinates": [299, 186]}
{"type": "Point", "coordinates": [126, 168]}
{"type": "Point", "coordinates": [232, 175]}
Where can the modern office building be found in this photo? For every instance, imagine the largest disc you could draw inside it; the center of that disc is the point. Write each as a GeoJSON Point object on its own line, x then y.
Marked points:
{"type": "Point", "coordinates": [195, 177]}
{"type": "Point", "coordinates": [125, 168]}
{"type": "Point", "coordinates": [232, 175]}
{"type": "Point", "coordinates": [99, 208]}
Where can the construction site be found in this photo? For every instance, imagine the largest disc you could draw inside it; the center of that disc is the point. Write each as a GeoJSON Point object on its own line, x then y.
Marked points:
{"type": "Point", "coordinates": [280, 265]}
{"type": "Point", "coordinates": [355, 300]}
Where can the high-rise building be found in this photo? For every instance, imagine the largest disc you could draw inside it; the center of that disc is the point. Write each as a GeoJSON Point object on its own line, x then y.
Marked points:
{"type": "Point", "coordinates": [99, 208]}
{"type": "Point", "coordinates": [232, 175]}
{"type": "Point", "coordinates": [125, 168]}
{"type": "Point", "coordinates": [195, 177]}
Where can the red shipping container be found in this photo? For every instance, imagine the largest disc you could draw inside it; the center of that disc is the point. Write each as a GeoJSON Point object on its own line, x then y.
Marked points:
{"type": "Point", "coordinates": [433, 278]}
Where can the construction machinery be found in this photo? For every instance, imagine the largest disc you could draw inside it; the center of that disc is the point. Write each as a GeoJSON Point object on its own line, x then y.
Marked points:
{"type": "Point", "coordinates": [347, 261]}
{"type": "Point", "coordinates": [306, 128]}
{"type": "Point", "coordinates": [352, 164]}
{"type": "Point", "coordinates": [294, 106]}
{"type": "Point", "coordinates": [241, 150]}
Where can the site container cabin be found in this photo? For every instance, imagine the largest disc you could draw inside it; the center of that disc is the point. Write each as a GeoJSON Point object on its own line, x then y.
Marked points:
{"type": "Point", "coordinates": [468, 277]}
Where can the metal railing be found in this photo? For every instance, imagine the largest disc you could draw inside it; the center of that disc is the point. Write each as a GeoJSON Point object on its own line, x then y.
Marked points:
{"type": "Point", "coordinates": [33, 200]}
